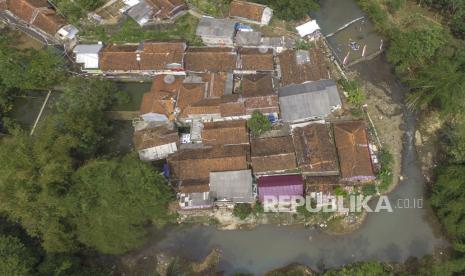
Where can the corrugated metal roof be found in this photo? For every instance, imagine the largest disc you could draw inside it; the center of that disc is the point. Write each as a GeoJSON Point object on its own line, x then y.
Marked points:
{"type": "Point", "coordinates": [209, 26]}
{"type": "Point", "coordinates": [234, 186]}
{"type": "Point", "coordinates": [308, 100]}
{"type": "Point", "coordinates": [88, 49]}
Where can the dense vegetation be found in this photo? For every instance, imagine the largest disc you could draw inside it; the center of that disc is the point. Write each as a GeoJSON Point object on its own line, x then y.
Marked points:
{"type": "Point", "coordinates": [74, 10]}
{"type": "Point", "coordinates": [291, 9]}
{"type": "Point", "coordinates": [258, 123]}
{"type": "Point", "coordinates": [59, 190]}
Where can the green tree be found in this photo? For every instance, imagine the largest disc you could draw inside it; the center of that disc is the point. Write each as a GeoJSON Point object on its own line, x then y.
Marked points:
{"type": "Point", "coordinates": [416, 44]}
{"type": "Point", "coordinates": [258, 123]}
{"type": "Point", "coordinates": [117, 200]}
{"type": "Point", "coordinates": [15, 258]}
{"type": "Point", "coordinates": [355, 96]}
{"type": "Point", "coordinates": [448, 199]}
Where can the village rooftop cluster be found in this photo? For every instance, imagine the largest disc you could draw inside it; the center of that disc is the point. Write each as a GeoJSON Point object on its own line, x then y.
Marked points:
{"type": "Point", "coordinates": [195, 115]}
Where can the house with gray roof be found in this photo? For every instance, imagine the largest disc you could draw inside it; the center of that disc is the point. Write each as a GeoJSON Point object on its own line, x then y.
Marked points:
{"type": "Point", "coordinates": [231, 187]}
{"type": "Point", "coordinates": [142, 12]}
{"type": "Point", "coordinates": [248, 39]}
{"type": "Point", "coordinates": [216, 32]}
{"type": "Point", "coordinates": [308, 101]}
{"type": "Point", "coordinates": [87, 55]}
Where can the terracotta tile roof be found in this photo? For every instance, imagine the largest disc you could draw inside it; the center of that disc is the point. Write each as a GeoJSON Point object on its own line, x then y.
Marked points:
{"type": "Point", "coordinates": [225, 133]}
{"type": "Point", "coordinates": [118, 58]}
{"type": "Point", "coordinates": [273, 155]}
{"type": "Point", "coordinates": [216, 84]}
{"type": "Point", "coordinates": [152, 55]}
{"type": "Point", "coordinates": [257, 85]}
{"type": "Point", "coordinates": [194, 186]}
{"type": "Point", "coordinates": [315, 150]}
{"type": "Point", "coordinates": [210, 59]}
{"type": "Point", "coordinates": [159, 55]}
{"type": "Point", "coordinates": [352, 147]}
{"type": "Point", "coordinates": [190, 94]}
{"type": "Point", "coordinates": [312, 66]}
{"type": "Point", "coordinates": [247, 10]}
{"type": "Point", "coordinates": [256, 59]}
{"type": "Point", "coordinates": [259, 94]}
{"type": "Point", "coordinates": [154, 137]}
{"type": "Point", "coordinates": [161, 98]}
{"type": "Point", "coordinates": [37, 13]}
{"type": "Point", "coordinates": [225, 106]}
{"type": "Point", "coordinates": [188, 164]}
{"type": "Point", "coordinates": [231, 107]}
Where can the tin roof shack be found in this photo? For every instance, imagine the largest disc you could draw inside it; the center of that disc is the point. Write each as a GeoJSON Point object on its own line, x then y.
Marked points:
{"type": "Point", "coordinates": [253, 60]}
{"type": "Point", "coordinates": [353, 150]}
{"type": "Point", "coordinates": [149, 57]}
{"type": "Point", "coordinates": [275, 187]}
{"type": "Point", "coordinates": [250, 12]}
{"type": "Point", "coordinates": [88, 56]}
{"type": "Point", "coordinates": [216, 32]}
{"type": "Point", "coordinates": [41, 15]}
{"type": "Point", "coordinates": [145, 12]}
{"type": "Point", "coordinates": [210, 59]}
{"type": "Point", "coordinates": [273, 156]}
{"type": "Point", "coordinates": [298, 66]}
{"type": "Point", "coordinates": [231, 187]}
{"type": "Point", "coordinates": [308, 101]}
{"type": "Point", "coordinates": [278, 43]}
{"type": "Point", "coordinates": [225, 133]}
{"type": "Point", "coordinates": [195, 194]}
{"type": "Point", "coordinates": [315, 150]}
{"type": "Point", "coordinates": [258, 93]}
{"type": "Point", "coordinates": [248, 39]}
{"type": "Point", "coordinates": [158, 105]}
{"type": "Point", "coordinates": [156, 143]}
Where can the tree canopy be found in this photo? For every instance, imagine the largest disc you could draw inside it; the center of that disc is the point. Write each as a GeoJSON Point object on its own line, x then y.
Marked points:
{"type": "Point", "coordinates": [15, 258]}
{"type": "Point", "coordinates": [116, 199]}
{"type": "Point", "coordinates": [259, 123]}
{"type": "Point", "coordinates": [291, 9]}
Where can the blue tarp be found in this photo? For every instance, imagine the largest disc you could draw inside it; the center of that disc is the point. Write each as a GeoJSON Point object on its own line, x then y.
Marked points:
{"type": "Point", "coordinates": [166, 170]}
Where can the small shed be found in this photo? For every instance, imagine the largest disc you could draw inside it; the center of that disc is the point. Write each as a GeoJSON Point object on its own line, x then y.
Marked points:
{"type": "Point", "coordinates": [282, 185]}
{"type": "Point", "coordinates": [88, 54]}
{"type": "Point", "coordinates": [308, 29]}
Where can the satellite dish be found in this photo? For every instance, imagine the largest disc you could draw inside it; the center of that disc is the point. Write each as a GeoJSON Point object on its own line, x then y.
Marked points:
{"type": "Point", "coordinates": [263, 49]}
{"type": "Point", "coordinates": [169, 79]}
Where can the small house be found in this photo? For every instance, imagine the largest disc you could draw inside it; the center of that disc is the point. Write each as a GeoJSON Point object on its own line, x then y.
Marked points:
{"type": "Point", "coordinates": [308, 101]}
{"type": "Point", "coordinates": [258, 93]}
{"type": "Point", "coordinates": [225, 133]}
{"type": "Point", "coordinates": [272, 156]}
{"type": "Point", "coordinates": [280, 186]}
{"type": "Point", "coordinates": [156, 143]}
{"type": "Point", "coordinates": [88, 56]}
{"type": "Point", "coordinates": [353, 150]}
{"type": "Point", "coordinates": [231, 187]}
{"type": "Point", "coordinates": [253, 60]}
{"type": "Point", "coordinates": [210, 59]}
{"type": "Point", "coordinates": [315, 150]}
{"type": "Point", "coordinates": [250, 12]}
{"type": "Point", "coordinates": [216, 32]}
{"type": "Point", "coordinates": [152, 11]}
{"type": "Point", "coordinates": [299, 66]}
{"type": "Point", "coordinates": [309, 29]}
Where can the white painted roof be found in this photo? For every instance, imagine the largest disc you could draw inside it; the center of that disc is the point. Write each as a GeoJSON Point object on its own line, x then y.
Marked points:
{"type": "Point", "coordinates": [308, 28]}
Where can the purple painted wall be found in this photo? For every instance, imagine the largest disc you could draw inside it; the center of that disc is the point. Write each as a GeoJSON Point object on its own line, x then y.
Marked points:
{"type": "Point", "coordinates": [283, 185]}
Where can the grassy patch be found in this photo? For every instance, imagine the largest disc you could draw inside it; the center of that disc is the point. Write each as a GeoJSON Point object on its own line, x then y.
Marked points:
{"type": "Point", "coordinates": [385, 176]}
{"type": "Point", "coordinates": [216, 8]}
{"type": "Point", "coordinates": [131, 32]}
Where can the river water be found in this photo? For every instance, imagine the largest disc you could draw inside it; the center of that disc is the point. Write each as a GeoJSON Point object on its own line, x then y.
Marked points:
{"type": "Point", "coordinates": [384, 236]}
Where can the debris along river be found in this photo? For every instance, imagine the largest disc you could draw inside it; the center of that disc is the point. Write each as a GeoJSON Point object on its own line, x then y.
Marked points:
{"type": "Point", "coordinates": [383, 236]}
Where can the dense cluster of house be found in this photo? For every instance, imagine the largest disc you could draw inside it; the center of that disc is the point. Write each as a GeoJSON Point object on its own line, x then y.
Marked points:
{"type": "Point", "coordinates": [40, 15]}
{"type": "Point", "coordinates": [195, 115]}
{"type": "Point", "coordinates": [195, 118]}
